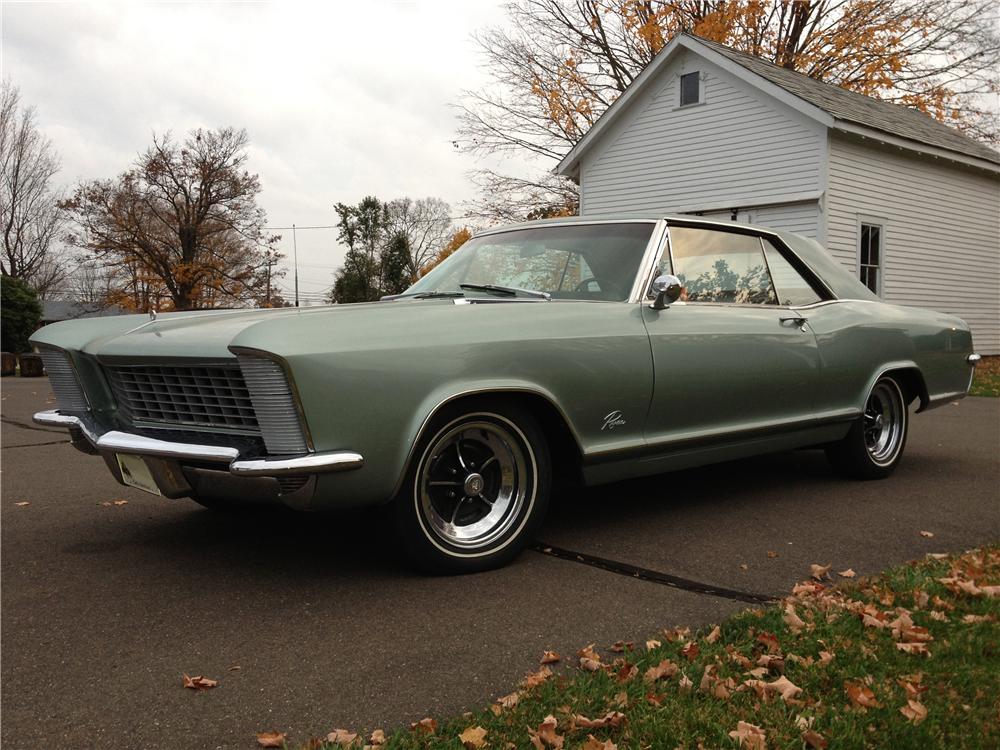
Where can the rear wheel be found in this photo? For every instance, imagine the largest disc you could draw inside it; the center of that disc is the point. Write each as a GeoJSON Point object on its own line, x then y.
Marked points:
{"type": "Point", "coordinates": [874, 445]}
{"type": "Point", "coordinates": [477, 490]}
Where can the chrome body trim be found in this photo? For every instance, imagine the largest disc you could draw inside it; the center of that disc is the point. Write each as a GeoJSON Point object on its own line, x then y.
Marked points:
{"type": "Point", "coordinates": [73, 373]}
{"type": "Point", "coordinates": [126, 442]}
{"type": "Point", "coordinates": [53, 418]}
{"type": "Point", "coordinates": [649, 258]}
{"type": "Point", "coordinates": [940, 399]}
{"type": "Point", "coordinates": [311, 463]}
{"type": "Point", "coordinates": [244, 351]}
{"type": "Point", "coordinates": [569, 221]}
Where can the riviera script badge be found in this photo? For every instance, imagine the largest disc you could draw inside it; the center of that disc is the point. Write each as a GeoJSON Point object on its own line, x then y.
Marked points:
{"type": "Point", "coordinates": [612, 420]}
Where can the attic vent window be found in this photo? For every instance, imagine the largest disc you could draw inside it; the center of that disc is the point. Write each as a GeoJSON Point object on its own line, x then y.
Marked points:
{"type": "Point", "coordinates": [690, 88]}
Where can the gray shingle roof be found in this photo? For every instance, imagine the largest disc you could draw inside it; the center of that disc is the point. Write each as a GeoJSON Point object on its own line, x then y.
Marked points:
{"type": "Point", "coordinates": [54, 310]}
{"type": "Point", "coordinates": [850, 106]}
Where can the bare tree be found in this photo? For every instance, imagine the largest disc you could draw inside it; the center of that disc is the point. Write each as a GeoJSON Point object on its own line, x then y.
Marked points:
{"type": "Point", "coordinates": [91, 284]}
{"type": "Point", "coordinates": [181, 226]}
{"type": "Point", "coordinates": [559, 64]}
{"type": "Point", "coordinates": [426, 224]}
{"type": "Point", "coordinates": [28, 206]}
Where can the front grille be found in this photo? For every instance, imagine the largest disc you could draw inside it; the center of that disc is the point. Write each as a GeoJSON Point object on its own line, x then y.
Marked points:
{"type": "Point", "coordinates": [206, 396]}
{"type": "Point", "coordinates": [62, 378]}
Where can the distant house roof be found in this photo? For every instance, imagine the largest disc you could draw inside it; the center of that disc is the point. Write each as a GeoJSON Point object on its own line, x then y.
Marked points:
{"type": "Point", "coordinates": [56, 310]}
{"type": "Point", "coordinates": [826, 102]}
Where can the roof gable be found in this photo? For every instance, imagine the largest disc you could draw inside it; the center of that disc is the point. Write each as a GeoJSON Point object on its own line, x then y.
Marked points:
{"type": "Point", "coordinates": [824, 102]}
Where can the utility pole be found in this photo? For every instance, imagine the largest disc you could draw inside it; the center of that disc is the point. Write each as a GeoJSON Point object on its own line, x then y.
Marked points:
{"type": "Point", "coordinates": [270, 262]}
{"type": "Point", "coordinates": [295, 249]}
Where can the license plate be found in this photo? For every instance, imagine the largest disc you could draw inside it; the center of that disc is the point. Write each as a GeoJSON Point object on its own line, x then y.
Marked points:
{"type": "Point", "coordinates": [136, 474]}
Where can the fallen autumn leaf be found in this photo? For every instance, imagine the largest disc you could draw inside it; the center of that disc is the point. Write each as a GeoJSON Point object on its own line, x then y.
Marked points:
{"type": "Point", "coordinates": [819, 572]}
{"type": "Point", "coordinates": [271, 739]}
{"type": "Point", "coordinates": [861, 695]}
{"type": "Point", "coordinates": [545, 735]}
{"type": "Point", "coordinates": [199, 683]}
{"type": "Point", "coordinates": [342, 737]}
{"type": "Point", "coordinates": [749, 735]}
{"type": "Point", "coordinates": [612, 719]}
{"type": "Point", "coordinates": [814, 739]}
{"type": "Point", "coordinates": [536, 678]}
{"type": "Point", "coordinates": [915, 711]}
{"type": "Point", "coordinates": [691, 650]}
{"type": "Point", "coordinates": [427, 725]}
{"type": "Point", "coordinates": [593, 743]}
{"type": "Point", "coordinates": [665, 668]}
{"type": "Point", "coordinates": [473, 738]}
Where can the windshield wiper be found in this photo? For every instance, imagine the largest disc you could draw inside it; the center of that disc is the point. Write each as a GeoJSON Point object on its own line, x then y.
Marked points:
{"type": "Point", "coordinates": [420, 295]}
{"type": "Point", "coordinates": [507, 291]}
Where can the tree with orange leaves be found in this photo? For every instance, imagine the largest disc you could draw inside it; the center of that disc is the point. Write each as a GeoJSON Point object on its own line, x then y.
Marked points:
{"type": "Point", "coordinates": [560, 64]}
{"type": "Point", "coordinates": [458, 238]}
{"type": "Point", "coordinates": [181, 229]}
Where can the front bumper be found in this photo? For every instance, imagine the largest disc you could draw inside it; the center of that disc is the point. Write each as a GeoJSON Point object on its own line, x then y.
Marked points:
{"type": "Point", "coordinates": [115, 441]}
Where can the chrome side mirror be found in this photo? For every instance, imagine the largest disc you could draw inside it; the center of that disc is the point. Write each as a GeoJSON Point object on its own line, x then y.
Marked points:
{"type": "Point", "coordinates": [667, 289]}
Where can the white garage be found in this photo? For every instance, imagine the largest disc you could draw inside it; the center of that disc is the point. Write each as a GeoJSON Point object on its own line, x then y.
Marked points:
{"type": "Point", "coordinates": [907, 203]}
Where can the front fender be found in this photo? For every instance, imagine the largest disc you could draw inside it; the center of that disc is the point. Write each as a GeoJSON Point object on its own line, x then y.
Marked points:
{"type": "Point", "coordinates": [369, 377]}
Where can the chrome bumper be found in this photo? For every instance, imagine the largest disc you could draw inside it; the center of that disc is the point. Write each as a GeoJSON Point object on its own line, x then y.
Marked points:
{"type": "Point", "coordinates": [125, 442]}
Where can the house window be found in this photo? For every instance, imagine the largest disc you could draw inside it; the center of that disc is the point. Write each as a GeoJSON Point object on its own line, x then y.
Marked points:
{"type": "Point", "coordinates": [870, 256]}
{"type": "Point", "coordinates": [690, 88]}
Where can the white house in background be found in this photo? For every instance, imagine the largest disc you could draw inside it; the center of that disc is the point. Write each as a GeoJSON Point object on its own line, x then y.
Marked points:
{"type": "Point", "coordinates": [909, 204]}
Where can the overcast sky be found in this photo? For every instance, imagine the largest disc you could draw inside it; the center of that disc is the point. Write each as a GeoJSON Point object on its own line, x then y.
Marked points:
{"type": "Point", "coordinates": [340, 99]}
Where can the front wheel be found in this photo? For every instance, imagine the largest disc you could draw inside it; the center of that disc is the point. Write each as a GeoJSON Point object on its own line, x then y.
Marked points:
{"type": "Point", "coordinates": [875, 443]}
{"type": "Point", "coordinates": [477, 490]}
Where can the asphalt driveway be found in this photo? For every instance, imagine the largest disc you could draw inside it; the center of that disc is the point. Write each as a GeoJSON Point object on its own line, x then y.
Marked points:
{"type": "Point", "coordinates": [311, 623]}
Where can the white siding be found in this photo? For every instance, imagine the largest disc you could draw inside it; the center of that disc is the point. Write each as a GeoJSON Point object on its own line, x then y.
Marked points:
{"type": "Point", "coordinates": [942, 233]}
{"type": "Point", "coordinates": [740, 148]}
{"type": "Point", "coordinates": [803, 218]}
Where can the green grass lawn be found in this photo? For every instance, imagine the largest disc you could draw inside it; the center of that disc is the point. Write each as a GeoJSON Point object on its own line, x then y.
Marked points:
{"type": "Point", "coordinates": [987, 379]}
{"type": "Point", "coordinates": [908, 659]}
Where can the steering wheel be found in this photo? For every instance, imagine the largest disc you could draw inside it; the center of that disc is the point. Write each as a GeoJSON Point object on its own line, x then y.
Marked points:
{"type": "Point", "coordinates": [582, 286]}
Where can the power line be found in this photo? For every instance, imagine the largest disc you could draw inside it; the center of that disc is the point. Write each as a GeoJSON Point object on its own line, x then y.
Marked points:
{"type": "Point", "coordinates": [273, 229]}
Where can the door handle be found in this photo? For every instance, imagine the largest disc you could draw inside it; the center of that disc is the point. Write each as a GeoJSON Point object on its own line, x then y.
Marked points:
{"type": "Point", "coordinates": [797, 320]}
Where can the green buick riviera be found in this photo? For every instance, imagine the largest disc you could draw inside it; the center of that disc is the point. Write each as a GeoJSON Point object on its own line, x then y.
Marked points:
{"type": "Point", "coordinates": [591, 350]}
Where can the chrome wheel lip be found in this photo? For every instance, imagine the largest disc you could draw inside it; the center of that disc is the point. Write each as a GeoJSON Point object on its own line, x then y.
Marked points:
{"type": "Point", "coordinates": [509, 509]}
{"type": "Point", "coordinates": [884, 422]}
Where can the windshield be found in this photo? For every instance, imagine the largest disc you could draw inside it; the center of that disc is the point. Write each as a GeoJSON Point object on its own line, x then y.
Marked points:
{"type": "Point", "coordinates": [572, 261]}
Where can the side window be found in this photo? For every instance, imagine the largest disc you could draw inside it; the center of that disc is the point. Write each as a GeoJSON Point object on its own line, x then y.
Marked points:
{"type": "Point", "coordinates": [870, 256]}
{"type": "Point", "coordinates": [717, 266]}
{"type": "Point", "coordinates": [789, 285]}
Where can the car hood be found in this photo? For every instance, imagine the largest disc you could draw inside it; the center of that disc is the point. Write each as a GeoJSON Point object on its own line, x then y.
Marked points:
{"type": "Point", "coordinates": [201, 334]}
